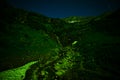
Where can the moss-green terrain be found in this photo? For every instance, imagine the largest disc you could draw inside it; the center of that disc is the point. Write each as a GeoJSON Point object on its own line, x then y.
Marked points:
{"type": "Point", "coordinates": [88, 48]}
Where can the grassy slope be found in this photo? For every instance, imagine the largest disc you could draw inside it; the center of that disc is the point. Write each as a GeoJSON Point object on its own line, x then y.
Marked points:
{"type": "Point", "coordinates": [22, 39]}
{"type": "Point", "coordinates": [17, 73]}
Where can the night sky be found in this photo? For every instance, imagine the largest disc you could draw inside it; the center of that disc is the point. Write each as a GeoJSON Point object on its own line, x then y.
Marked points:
{"type": "Point", "coordinates": [65, 8]}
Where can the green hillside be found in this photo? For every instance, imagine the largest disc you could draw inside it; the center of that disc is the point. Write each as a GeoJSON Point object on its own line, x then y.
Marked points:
{"type": "Point", "coordinates": [85, 50]}
{"type": "Point", "coordinates": [23, 37]}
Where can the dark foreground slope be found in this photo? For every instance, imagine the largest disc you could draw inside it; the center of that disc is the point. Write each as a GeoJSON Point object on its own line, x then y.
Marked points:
{"type": "Point", "coordinates": [87, 50]}
{"type": "Point", "coordinates": [107, 51]}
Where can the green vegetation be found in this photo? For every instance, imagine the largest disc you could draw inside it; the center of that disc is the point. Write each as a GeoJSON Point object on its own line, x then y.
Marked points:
{"type": "Point", "coordinates": [17, 73]}
{"type": "Point", "coordinates": [85, 50]}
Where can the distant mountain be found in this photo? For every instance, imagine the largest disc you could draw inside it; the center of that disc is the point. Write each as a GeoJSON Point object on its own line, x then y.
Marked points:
{"type": "Point", "coordinates": [80, 19]}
